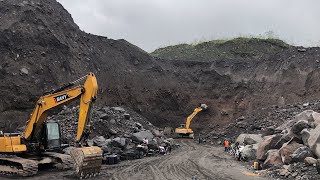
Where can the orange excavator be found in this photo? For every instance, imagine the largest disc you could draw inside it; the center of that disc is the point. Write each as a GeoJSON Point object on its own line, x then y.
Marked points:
{"type": "Point", "coordinates": [184, 130]}
{"type": "Point", "coordinates": [40, 143]}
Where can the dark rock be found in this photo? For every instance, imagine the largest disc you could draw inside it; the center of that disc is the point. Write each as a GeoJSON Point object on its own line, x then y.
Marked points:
{"type": "Point", "coordinates": [301, 153]}
{"type": "Point", "coordinates": [299, 126]}
{"type": "Point", "coordinates": [139, 136]}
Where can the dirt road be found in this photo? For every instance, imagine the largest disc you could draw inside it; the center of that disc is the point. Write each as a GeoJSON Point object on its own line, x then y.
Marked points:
{"type": "Point", "coordinates": [191, 159]}
{"type": "Point", "coordinates": [203, 162]}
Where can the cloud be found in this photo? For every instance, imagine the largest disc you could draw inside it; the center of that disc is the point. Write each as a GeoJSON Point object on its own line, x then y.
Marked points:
{"type": "Point", "coordinates": [150, 24]}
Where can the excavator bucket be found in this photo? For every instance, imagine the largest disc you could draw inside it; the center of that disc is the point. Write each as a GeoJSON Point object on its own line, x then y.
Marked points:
{"type": "Point", "coordinates": [87, 160]}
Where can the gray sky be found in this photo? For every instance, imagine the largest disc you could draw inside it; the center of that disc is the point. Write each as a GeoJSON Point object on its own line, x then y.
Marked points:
{"type": "Point", "coordinates": [151, 24]}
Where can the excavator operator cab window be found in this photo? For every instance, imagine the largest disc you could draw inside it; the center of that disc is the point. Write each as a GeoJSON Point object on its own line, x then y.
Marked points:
{"type": "Point", "coordinates": [53, 135]}
{"type": "Point", "coordinates": [182, 125]}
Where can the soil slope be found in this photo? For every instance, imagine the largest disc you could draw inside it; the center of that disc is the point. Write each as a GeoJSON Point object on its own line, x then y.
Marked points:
{"type": "Point", "coordinates": [42, 48]}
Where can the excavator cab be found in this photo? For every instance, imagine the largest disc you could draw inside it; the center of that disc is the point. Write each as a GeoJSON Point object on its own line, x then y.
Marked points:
{"type": "Point", "coordinates": [52, 136]}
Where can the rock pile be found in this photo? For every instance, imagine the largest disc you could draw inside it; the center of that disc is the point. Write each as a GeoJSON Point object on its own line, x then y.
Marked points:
{"type": "Point", "coordinates": [117, 130]}
{"type": "Point", "coordinates": [292, 144]}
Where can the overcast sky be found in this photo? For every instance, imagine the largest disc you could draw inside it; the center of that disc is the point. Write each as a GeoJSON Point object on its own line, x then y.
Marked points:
{"type": "Point", "coordinates": [151, 24]}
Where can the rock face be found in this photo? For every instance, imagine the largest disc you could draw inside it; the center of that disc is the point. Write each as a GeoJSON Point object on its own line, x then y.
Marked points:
{"type": "Point", "coordinates": [249, 138]}
{"type": "Point", "coordinates": [287, 150]}
{"type": "Point", "coordinates": [273, 159]}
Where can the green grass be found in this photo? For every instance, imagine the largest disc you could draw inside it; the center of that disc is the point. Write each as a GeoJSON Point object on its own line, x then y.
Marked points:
{"type": "Point", "coordinates": [241, 47]}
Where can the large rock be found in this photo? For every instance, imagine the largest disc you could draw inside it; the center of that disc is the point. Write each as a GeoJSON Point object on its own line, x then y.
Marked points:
{"type": "Point", "coordinates": [311, 116]}
{"type": "Point", "coordinates": [314, 141]}
{"type": "Point", "coordinates": [301, 153]}
{"type": "Point", "coordinates": [305, 134]}
{"type": "Point", "coordinates": [119, 142]}
{"type": "Point", "coordinates": [168, 131]}
{"type": "Point", "coordinates": [249, 139]}
{"type": "Point", "coordinates": [299, 126]}
{"type": "Point", "coordinates": [156, 132]}
{"type": "Point", "coordinates": [99, 141]}
{"type": "Point", "coordinates": [287, 150]}
{"type": "Point", "coordinates": [310, 161]}
{"type": "Point", "coordinates": [139, 136]}
{"type": "Point", "coordinates": [249, 152]}
{"type": "Point", "coordinates": [273, 159]}
{"type": "Point", "coordinates": [269, 142]}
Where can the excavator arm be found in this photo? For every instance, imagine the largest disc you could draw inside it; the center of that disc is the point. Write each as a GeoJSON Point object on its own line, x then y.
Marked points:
{"type": "Point", "coordinates": [185, 129]}
{"type": "Point", "coordinates": [86, 93]}
{"type": "Point", "coordinates": [191, 116]}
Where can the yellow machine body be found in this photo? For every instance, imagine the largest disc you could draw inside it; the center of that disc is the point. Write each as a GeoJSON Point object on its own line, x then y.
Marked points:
{"type": "Point", "coordinates": [11, 144]}
{"type": "Point", "coordinates": [185, 129]}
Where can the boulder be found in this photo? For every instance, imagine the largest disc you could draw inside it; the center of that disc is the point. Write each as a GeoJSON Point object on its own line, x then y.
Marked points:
{"type": "Point", "coordinates": [268, 131]}
{"type": "Point", "coordinates": [99, 141]}
{"type": "Point", "coordinates": [139, 136]}
{"type": "Point", "coordinates": [310, 161]}
{"type": "Point", "coordinates": [269, 142]}
{"type": "Point", "coordinates": [314, 141]}
{"type": "Point", "coordinates": [126, 116]}
{"type": "Point", "coordinates": [113, 131]}
{"type": "Point", "coordinates": [119, 142]}
{"type": "Point", "coordinates": [301, 153]}
{"type": "Point", "coordinates": [273, 159]}
{"type": "Point", "coordinates": [249, 138]}
{"type": "Point", "coordinates": [311, 116]}
{"type": "Point", "coordinates": [119, 109]}
{"type": "Point", "coordinates": [249, 152]}
{"type": "Point", "coordinates": [287, 150]}
{"type": "Point", "coordinates": [305, 134]}
{"type": "Point", "coordinates": [286, 125]}
{"type": "Point", "coordinates": [156, 132]}
{"type": "Point", "coordinates": [168, 131]}
{"type": "Point", "coordinates": [299, 126]}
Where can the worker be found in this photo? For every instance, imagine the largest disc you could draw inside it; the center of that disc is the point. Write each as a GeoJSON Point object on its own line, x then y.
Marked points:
{"type": "Point", "coordinates": [226, 145]}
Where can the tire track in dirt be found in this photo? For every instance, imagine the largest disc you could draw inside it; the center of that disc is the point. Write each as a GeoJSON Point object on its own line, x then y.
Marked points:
{"type": "Point", "coordinates": [191, 159]}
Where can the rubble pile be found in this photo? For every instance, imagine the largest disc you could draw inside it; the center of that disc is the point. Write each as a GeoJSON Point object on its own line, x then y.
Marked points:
{"type": "Point", "coordinates": [292, 150]}
{"type": "Point", "coordinates": [262, 121]}
{"type": "Point", "coordinates": [117, 130]}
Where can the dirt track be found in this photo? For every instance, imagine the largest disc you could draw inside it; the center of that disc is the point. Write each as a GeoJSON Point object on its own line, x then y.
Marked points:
{"type": "Point", "coordinates": [204, 162]}
{"type": "Point", "coordinates": [191, 159]}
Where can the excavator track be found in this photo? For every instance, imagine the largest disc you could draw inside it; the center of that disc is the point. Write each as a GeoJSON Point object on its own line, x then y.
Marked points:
{"type": "Point", "coordinates": [88, 161]}
{"type": "Point", "coordinates": [63, 161]}
{"type": "Point", "coordinates": [14, 165]}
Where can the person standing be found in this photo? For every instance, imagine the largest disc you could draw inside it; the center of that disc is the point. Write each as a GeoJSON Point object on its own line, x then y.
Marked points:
{"type": "Point", "coordinates": [226, 145]}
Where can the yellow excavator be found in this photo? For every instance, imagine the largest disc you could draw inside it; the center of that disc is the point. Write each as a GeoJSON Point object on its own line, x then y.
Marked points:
{"type": "Point", "coordinates": [184, 130]}
{"type": "Point", "coordinates": [41, 144]}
